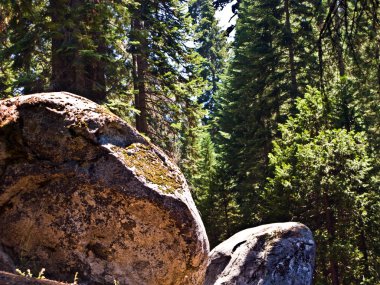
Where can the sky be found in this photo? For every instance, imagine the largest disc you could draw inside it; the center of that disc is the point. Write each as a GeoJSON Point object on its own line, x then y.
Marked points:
{"type": "Point", "coordinates": [224, 17]}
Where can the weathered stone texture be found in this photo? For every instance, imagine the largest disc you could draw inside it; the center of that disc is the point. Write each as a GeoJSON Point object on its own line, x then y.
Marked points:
{"type": "Point", "coordinates": [278, 254]}
{"type": "Point", "coordinates": [82, 191]}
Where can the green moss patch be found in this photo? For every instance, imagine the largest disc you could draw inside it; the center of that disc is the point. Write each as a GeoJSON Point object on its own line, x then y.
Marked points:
{"type": "Point", "coordinates": [146, 163]}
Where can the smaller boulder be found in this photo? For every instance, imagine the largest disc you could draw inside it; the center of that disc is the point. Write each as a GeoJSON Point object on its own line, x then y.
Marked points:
{"type": "Point", "coordinates": [281, 253]}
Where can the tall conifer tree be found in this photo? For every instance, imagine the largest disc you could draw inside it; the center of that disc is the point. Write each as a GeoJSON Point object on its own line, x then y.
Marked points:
{"type": "Point", "coordinates": [61, 45]}
{"type": "Point", "coordinates": [212, 46]}
{"type": "Point", "coordinates": [166, 74]}
{"type": "Point", "coordinates": [268, 71]}
{"type": "Point", "coordinates": [321, 175]}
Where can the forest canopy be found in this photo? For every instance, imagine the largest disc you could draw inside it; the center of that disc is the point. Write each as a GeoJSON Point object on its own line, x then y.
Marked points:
{"type": "Point", "coordinates": [281, 123]}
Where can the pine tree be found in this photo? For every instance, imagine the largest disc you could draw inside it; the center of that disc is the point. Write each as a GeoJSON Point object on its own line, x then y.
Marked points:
{"type": "Point", "coordinates": [78, 47]}
{"type": "Point", "coordinates": [268, 71]}
{"type": "Point", "coordinates": [211, 45]}
{"type": "Point", "coordinates": [113, 50]}
{"type": "Point", "coordinates": [322, 178]}
{"type": "Point", "coordinates": [166, 74]}
{"type": "Point", "coordinates": [23, 50]}
{"type": "Point", "coordinates": [6, 73]}
{"type": "Point", "coordinates": [64, 45]}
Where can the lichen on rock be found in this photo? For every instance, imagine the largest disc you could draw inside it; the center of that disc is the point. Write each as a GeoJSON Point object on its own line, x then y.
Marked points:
{"type": "Point", "coordinates": [147, 164]}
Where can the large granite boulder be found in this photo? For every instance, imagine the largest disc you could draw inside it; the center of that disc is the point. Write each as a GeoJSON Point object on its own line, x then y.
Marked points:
{"type": "Point", "coordinates": [82, 191]}
{"type": "Point", "coordinates": [278, 254]}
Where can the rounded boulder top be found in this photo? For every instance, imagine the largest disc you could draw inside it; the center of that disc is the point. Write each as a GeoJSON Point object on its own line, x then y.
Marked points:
{"type": "Point", "coordinates": [280, 253]}
{"type": "Point", "coordinates": [83, 192]}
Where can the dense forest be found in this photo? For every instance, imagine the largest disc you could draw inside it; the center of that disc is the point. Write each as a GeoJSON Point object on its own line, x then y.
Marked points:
{"type": "Point", "coordinates": [281, 123]}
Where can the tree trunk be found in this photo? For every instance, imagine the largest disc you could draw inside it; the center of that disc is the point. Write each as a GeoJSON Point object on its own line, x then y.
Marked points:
{"type": "Point", "coordinates": [341, 64]}
{"type": "Point", "coordinates": [293, 72]}
{"type": "Point", "coordinates": [330, 224]}
{"type": "Point", "coordinates": [70, 71]}
{"type": "Point", "coordinates": [95, 81]}
{"type": "Point", "coordinates": [364, 248]}
{"type": "Point", "coordinates": [375, 21]}
{"type": "Point", "coordinates": [320, 65]}
{"type": "Point", "coordinates": [135, 78]}
{"type": "Point", "coordinates": [63, 77]}
{"type": "Point", "coordinates": [140, 64]}
{"type": "Point", "coordinates": [142, 117]}
{"type": "Point", "coordinates": [338, 40]}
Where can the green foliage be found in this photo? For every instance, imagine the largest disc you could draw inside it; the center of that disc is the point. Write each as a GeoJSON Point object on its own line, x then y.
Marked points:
{"type": "Point", "coordinates": [87, 47]}
{"type": "Point", "coordinates": [258, 93]}
{"type": "Point", "coordinates": [166, 74]}
{"type": "Point", "coordinates": [23, 49]}
{"type": "Point", "coordinates": [122, 105]}
{"type": "Point", "coordinates": [64, 45]}
{"type": "Point", "coordinates": [211, 45]}
{"type": "Point", "coordinates": [312, 158]}
{"type": "Point", "coordinates": [322, 178]}
{"type": "Point", "coordinates": [255, 143]}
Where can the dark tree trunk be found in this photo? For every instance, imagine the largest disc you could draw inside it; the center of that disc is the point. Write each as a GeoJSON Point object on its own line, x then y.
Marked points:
{"type": "Point", "coordinates": [142, 117]}
{"type": "Point", "coordinates": [293, 72]}
{"type": "Point", "coordinates": [95, 79]}
{"type": "Point", "coordinates": [341, 64]}
{"type": "Point", "coordinates": [320, 65]}
{"type": "Point", "coordinates": [363, 247]}
{"type": "Point", "coordinates": [135, 78]}
{"type": "Point", "coordinates": [375, 25]}
{"type": "Point", "coordinates": [140, 66]}
{"type": "Point", "coordinates": [70, 71]}
{"type": "Point", "coordinates": [330, 225]}
{"type": "Point", "coordinates": [63, 74]}
{"type": "Point", "coordinates": [377, 54]}
{"type": "Point", "coordinates": [338, 39]}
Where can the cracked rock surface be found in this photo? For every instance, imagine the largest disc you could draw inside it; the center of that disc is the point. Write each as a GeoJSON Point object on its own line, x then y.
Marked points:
{"type": "Point", "coordinates": [278, 254]}
{"type": "Point", "coordinates": [82, 191]}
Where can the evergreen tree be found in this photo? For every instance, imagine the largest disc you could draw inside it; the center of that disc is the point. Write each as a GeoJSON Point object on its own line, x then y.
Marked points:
{"type": "Point", "coordinates": [165, 72]}
{"type": "Point", "coordinates": [64, 45]}
{"type": "Point", "coordinates": [24, 49]}
{"type": "Point", "coordinates": [322, 178]}
{"type": "Point", "coordinates": [78, 32]}
{"type": "Point", "coordinates": [268, 71]}
{"type": "Point", "coordinates": [159, 64]}
{"type": "Point", "coordinates": [211, 45]}
{"type": "Point", "coordinates": [6, 74]}
{"type": "Point", "coordinates": [113, 50]}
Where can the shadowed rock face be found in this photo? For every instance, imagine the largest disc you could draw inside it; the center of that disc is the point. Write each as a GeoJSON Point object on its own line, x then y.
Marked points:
{"type": "Point", "coordinates": [278, 254]}
{"type": "Point", "coordinates": [81, 191]}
